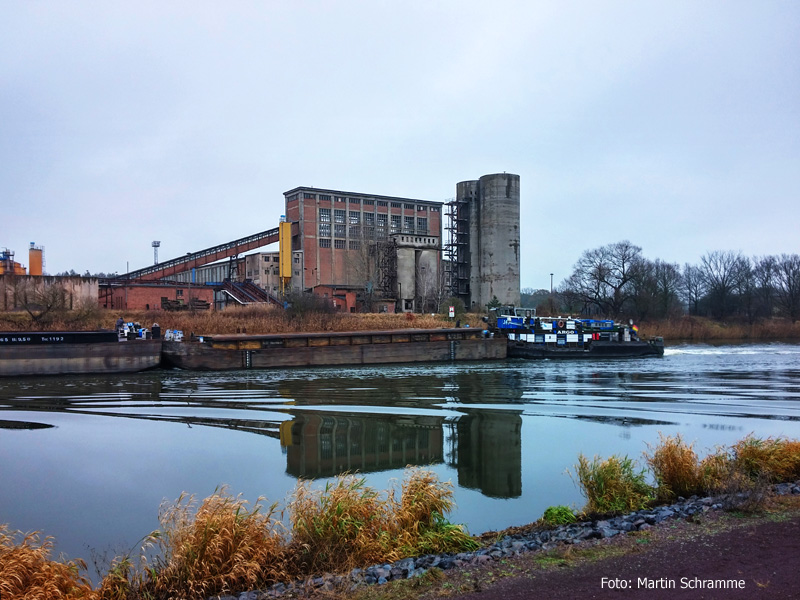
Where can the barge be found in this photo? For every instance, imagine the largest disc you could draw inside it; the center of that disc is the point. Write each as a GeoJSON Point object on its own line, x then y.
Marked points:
{"type": "Point", "coordinates": [532, 337]}
{"type": "Point", "coordinates": [229, 352]}
{"type": "Point", "coordinates": [24, 353]}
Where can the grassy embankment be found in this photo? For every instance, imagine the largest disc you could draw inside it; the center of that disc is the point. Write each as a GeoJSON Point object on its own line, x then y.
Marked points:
{"type": "Point", "coordinates": [254, 319]}
{"type": "Point", "coordinates": [250, 319]}
{"type": "Point", "coordinates": [225, 545]}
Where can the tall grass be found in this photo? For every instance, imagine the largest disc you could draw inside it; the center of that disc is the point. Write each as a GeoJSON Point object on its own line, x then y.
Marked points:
{"type": "Point", "coordinates": [350, 524]}
{"type": "Point", "coordinates": [246, 319]}
{"type": "Point", "coordinates": [224, 545]}
{"type": "Point", "coordinates": [613, 485]}
{"type": "Point", "coordinates": [675, 467]}
{"type": "Point", "coordinates": [702, 329]}
{"type": "Point", "coordinates": [26, 570]}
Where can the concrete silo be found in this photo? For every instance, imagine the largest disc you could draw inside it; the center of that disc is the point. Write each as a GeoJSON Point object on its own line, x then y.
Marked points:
{"type": "Point", "coordinates": [484, 240]}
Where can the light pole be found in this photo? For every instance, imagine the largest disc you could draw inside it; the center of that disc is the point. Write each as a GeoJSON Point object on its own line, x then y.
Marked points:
{"type": "Point", "coordinates": [551, 283]}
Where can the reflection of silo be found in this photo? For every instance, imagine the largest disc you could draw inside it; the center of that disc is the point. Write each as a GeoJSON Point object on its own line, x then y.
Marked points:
{"type": "Point", "coordinates": [492, 204]}
{"type": "Point", "coordinates": [35, 260]}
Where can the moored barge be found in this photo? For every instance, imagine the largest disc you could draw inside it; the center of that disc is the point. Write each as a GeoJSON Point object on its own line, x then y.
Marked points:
{"type": "Point", "coordinates": [228, 352]}
{"type": "Point", "coordinates": [24, 353]}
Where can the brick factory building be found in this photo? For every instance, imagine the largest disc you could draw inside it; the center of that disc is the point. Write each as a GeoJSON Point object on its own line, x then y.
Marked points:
{"type": "Point", "coordinates": [387, 247]}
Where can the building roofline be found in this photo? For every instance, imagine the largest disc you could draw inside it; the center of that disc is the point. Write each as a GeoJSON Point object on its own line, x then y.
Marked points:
{"type": "Point", "coordinates": [304, 188]}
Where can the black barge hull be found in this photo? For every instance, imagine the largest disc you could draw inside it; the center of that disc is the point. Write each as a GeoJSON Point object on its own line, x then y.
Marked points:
{"type": "Point", "coordinates": [595, 350]}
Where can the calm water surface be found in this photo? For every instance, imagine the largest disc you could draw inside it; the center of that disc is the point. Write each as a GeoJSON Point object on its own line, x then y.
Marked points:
{"type": "Point", "coordinates": [89, 459]}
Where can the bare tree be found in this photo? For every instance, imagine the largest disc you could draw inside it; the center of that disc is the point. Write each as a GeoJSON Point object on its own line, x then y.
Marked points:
{"type": "Point", "coordinates": [721, 272]}
{"type": "Point", "coordinates": [765, 272]}
{"type": "Point", "coordinates": [604, 277]}
{"type": "Point", "coordinates": [788, 285]}
{"type": "Point", "coordinates": [693, 288]}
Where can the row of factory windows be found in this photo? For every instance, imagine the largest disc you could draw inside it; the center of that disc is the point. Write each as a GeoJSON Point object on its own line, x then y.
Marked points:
{"type": "Point", "coordinates": [365, 202]}
{"type": "Point", "coordinates": [370, 232]}
{"type": "Point", "coordinates": [341, 217]}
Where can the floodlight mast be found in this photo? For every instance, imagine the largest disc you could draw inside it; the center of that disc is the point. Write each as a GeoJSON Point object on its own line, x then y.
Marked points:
{"type": "Point", "coordinates": [155, 246]}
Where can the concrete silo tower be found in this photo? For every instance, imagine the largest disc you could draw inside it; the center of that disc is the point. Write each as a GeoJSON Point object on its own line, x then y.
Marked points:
{"type": "Point", "coordinates": [484, 240]}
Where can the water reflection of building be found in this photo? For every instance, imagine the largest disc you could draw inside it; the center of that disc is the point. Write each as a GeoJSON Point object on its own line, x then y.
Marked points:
{"type": "Point", "coordinates": [486, 449]}
{"type": "Point", "coordinates": [326, 444]}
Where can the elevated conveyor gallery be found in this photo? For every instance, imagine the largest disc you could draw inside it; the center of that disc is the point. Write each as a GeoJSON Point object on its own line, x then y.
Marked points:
{"type": "Point", "coordinates": [204, 257]}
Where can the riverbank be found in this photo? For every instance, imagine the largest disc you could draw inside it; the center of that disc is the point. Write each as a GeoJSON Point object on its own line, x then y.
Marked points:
{"type": "Point", "coordinates": [689, 559]}
{"type": "Point", "coordinates": [264, 320]}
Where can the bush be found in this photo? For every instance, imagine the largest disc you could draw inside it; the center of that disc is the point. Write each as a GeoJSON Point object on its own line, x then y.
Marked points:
{"type": "Point", "coordinates": [612, 486]}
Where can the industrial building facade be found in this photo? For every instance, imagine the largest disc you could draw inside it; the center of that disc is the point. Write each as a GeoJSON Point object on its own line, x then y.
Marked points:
{"type": "Point", "coordinates": [383, 246]}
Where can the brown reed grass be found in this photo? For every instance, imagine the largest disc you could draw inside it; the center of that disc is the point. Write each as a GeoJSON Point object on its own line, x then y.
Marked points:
{"type": "Point", "coordinates": [702, 329]}
{"type": "Point", "coordinates": [778, 459]}
{"type": "Point", "coordinates": [26, 570]}
{"type": "Point", "coordinates": [245, 319]}
{"type": "Point", "coordinates": [349, 524]}
{"type": "Point", "coordinates": [223, 547]}
{"type": "Point", "coordinates": [676, 468]}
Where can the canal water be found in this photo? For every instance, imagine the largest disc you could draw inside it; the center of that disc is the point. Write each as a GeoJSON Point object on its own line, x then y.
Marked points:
{"type": "Point", "coordinates": [89, 460]}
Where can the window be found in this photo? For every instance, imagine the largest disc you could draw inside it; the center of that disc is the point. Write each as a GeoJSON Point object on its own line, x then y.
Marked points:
{"type": "Point", "coordinates": [369, 219]}
{"type": "Point", "coordinates": [395, 223]}
{"type": "Point", "coordinates": [339, 216]}
{"type": "Point", "coordinates": [355, 245]}
{"type": "Point", "coordinates": [324, 215]}
{"type": "Point", "coordinates": [396, 205]}
{"type": "Point", "coordinates": [338, 244]}
{"type": "Point", "coordinates": [422, 224]}
{"type": "Point", "coordinates": [434, 209]}
{"type": "Point", "coordinates": [275, 271]}
{"type": "Point", "coordinates": [422, 208]}
{"type": "Point", "coordinates": [355, 231]}
{"type": "Point", "coordinates": [382, 221]}
{"type": "Point", "coordinates": [366, 202]}
{"type": "Point", "coordinates": [292, 197]}
{"type": "Point", "coordinates": [309, 196]}
{"type": "Point", "coordinates": [339, 231]}
{"type": "Point", "coordinates": [408, 206]}
{"type": "Point", "coordinates": [355, 200]}
{"type": "Point", "coordinates": [355, 217]}
{"type": "Point", "coordinates": [408, 224]}
{"type": "Point", "coordinates": [325, 197]}
{"type": "Point", "coordinates": [326, 243]}
{"type": "Point", "coordinates": [266, 271]}
{"type": "Point", "coordinates": [179, 293]}
{"type": "Point", "coordinates": [297, 273]}
{"type": "Point", "coordinates": [339, 198]}
{"type": "Point", "coordinates": [324, 230]}
{"type": "Point", "coordinates": [383, 203]}
{"type": "Point", "coordinates": [297, 260]}
{"type": "Point", "coordinates": [276, 259]}
{"type": "Point", "coordinates": [369, 232]}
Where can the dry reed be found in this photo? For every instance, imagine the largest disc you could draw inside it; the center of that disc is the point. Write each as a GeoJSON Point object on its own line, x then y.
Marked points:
{"type": "Point", "coordinates": [26, 570]}
{"type": "Point", "coordinates": [675, 467]}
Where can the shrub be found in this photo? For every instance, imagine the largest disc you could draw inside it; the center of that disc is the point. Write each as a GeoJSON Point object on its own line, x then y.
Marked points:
{"type": "Point", "coordinates": [676, 468]}
{"type": "Point", "coordinates": [558, 515]}
{"type": "Point", "coordinates": [612, 486]}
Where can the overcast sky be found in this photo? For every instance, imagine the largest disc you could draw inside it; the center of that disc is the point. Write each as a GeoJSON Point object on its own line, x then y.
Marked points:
{"type": "Point", "coordinates": [675, 125]}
